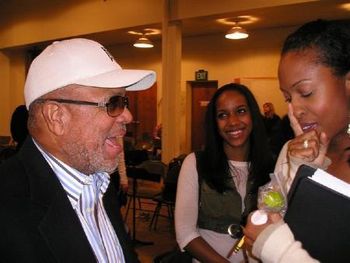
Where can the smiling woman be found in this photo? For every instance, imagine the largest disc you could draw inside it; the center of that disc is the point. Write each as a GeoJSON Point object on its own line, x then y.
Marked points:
{"type": "Point", "coordinates": [218, 186]}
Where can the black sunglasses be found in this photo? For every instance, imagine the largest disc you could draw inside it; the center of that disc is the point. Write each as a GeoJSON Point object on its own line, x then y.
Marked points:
{"type": "Point", "coordinates": [114, 106]}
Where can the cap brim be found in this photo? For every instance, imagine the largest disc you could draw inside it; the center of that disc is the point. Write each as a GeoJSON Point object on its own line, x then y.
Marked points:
{"type": "Point", "coordinates": [124, 78]}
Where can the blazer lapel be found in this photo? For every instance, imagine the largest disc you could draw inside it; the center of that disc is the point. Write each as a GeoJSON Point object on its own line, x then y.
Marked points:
{"type": "Point", "coordinates": [59, 226]}
{"type": "Point", "coordinates": [63, 232]}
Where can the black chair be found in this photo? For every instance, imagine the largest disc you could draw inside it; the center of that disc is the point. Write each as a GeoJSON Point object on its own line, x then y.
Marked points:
{"type": "Point", "coordinates": [132, 159]}
{"type": "Point", "coordinates": [135, 157]}
{"type": "Point", "coordinates": [148, 170]}
{"type": "Point", "coordinates": [146, 181]}
{"type": "Point", "coordinates": [167, 196]}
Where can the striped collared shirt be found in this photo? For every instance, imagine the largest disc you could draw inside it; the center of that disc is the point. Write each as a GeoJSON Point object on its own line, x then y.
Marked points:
{"type": "Point", "coordinates": [85, 193]}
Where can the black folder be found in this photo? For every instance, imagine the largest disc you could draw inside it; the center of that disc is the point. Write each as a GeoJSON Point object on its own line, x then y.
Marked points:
{"type": "Point", "coordinates": [319, 217]}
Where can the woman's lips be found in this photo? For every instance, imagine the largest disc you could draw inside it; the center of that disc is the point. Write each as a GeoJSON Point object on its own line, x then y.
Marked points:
{"type": "Point", "coordinates": [308, 127]}
{"type": "Point", "coordinates": [235, 133]}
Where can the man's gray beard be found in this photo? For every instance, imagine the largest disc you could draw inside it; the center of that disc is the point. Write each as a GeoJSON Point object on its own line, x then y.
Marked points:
{"type": "Point", "coordinates": [87, 162]}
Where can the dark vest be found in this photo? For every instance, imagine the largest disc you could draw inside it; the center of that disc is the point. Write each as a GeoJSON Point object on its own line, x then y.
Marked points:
{"type": "Point", "coordinates": [219, 210]}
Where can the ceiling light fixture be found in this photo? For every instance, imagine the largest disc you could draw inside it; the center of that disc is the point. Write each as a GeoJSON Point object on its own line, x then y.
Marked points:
{"type": "Point", "coordinates": [237, 32]}
{"type": "Point", "coordinates": [143, 42]}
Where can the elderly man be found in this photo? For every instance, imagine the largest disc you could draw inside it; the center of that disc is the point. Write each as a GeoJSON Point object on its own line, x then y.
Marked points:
{"type": "Point", "coordinates": [56, 204]}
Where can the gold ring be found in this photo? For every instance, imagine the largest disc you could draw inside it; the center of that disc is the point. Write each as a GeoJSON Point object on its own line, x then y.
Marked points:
{"type": "Point", "coordinates": [306, 144]}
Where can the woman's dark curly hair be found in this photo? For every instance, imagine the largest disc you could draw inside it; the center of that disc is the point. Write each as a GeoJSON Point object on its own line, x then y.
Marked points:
{"type": "Point", "coordinates": [214, 160]}
{"type": "Point", "coordinates": [330, 39]}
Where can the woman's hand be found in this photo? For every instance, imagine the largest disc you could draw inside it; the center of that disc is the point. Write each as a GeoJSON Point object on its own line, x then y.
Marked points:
{"type": "Point", "coordinates": [310, 146]}
{"type": "Point", "coordinates": [252, 231]}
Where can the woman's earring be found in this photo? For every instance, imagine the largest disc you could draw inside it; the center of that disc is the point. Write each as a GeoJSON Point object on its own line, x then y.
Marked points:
{"type": "Point", "coordinates": [348, 131]}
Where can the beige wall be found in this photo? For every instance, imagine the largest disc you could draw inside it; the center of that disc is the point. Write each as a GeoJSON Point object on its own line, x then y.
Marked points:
{"type": "Point", "coordinates": [33, 21]}
{"type": "Point", "coordinates": [5, 94]}
{"type": "Point", "coordinates": [193, 8]}
{"type": "Point", "coordinates": [12, 74]}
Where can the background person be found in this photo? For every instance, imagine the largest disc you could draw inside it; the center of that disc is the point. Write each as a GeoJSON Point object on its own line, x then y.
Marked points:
{"type": "Point", "coordinates": [56, 201]}
{"type": "Point", "coordinates": [314, 75]}
{"type": "Point", "coordinates": [19, 132]}
{"type": "Point", "coordinates": [218, 187]}
{"type": "Point", "coordinates": [123, 178]}
{"type": "Point", "coordinates": [119, 177]}
{"type": "Point", "coordinates": [287, 130]}
{"type": "Point", "coordinates": [18, 125]}
{"type": "Point", "coordinates": [273, 125]}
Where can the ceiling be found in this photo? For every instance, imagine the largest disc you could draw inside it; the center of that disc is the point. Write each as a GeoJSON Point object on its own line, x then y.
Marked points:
{"type": "Point", "coordinates": [271, 17]}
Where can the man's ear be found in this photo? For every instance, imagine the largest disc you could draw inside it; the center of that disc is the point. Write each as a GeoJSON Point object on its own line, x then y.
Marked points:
{"type": "Point", "coordinates": [54, 116]}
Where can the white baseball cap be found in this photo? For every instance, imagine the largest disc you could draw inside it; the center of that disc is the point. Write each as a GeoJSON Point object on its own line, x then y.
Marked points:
{"type": "Point", "coordinates": [83, 62]}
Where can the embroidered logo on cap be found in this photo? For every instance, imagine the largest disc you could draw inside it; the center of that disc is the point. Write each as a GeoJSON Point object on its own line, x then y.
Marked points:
{"type": "Point", "coordinates": [108, 54]}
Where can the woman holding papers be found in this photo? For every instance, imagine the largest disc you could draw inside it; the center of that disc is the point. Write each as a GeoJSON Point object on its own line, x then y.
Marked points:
{"type": "Point", "coordinates": [314, 76]}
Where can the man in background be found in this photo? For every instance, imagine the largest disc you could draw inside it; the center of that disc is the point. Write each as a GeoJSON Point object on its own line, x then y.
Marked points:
{"type": "Point", "coordinates": [273, 127]}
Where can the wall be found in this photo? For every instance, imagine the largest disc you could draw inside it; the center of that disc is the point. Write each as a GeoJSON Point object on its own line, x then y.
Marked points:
{"type": "Point", "coordinates": [193, 8]}
{"type": "Point", "coordinates": [5, 94]}
{"type": "Point", "coordinates": [33, 21]}
{"type": "Point", "coordinates": [12, 74]}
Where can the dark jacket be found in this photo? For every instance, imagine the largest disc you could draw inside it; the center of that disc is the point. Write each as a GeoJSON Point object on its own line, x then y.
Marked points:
{"type": "Point", "coordinates": [37, 222]}
{"type": "Point", "coordinates": [219, 210]}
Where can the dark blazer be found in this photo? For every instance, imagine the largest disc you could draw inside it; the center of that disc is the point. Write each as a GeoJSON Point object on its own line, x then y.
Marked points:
{"type": "Point", "coordinates": [37, 221]}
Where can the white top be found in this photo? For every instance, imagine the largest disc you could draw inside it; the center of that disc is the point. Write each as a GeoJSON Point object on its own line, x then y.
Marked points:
{"type": "Point", "coordinates": [186, 209]}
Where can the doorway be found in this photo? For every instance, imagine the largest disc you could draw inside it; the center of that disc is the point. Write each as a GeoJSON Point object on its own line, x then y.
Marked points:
{"type": "Point", "coordinates": [201, 93]}
{"type": "Point", "coordinates": [143, 107]}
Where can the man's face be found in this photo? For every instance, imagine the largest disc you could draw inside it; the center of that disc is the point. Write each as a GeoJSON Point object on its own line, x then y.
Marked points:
{"type": "Point", "coordinates": [90, 140]}
{"type": "Point", "coordinates": [268, 110]}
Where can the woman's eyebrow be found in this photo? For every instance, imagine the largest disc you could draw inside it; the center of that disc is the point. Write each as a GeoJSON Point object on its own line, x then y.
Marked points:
{"type": "Point", "coordinates": [300, 81]}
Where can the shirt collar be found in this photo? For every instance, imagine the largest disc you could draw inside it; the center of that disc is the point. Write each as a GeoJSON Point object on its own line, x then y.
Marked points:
{"type": "Point", "coordinates": [71, 179]}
